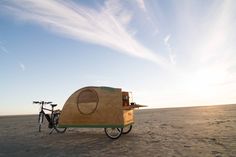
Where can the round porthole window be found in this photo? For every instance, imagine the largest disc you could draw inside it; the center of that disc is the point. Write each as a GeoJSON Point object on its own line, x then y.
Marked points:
{"type": "Point", "coordinates": [87, 101]}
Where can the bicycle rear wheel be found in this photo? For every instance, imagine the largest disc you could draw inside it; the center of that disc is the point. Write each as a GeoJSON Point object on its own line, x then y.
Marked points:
{"type": "Point", "coordinates": [40, 120]}
{"type": "Point", "coordinates": [55, 124]}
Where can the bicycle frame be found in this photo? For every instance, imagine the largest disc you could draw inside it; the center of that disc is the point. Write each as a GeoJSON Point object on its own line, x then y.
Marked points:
{"type": "Point", "coordinates": [51, 117]}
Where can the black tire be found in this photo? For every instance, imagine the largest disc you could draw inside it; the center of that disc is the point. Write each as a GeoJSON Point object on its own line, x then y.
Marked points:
{"type": "Point", "coordinates": [55, 124]}
{"type": "Point", "coordinates": [113, 133]}
{"type": "Point", "coordinates": [127, 129]}
{"type": "Point", "coordinates": [40, 120]}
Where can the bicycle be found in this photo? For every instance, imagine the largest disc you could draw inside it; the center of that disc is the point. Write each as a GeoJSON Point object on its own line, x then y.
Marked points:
{"type": "Point", "coordinates": [52, 118]}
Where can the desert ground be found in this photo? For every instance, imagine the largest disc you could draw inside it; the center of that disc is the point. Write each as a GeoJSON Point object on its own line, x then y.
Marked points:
{"type": "Point", "coordinates": [193, 131]}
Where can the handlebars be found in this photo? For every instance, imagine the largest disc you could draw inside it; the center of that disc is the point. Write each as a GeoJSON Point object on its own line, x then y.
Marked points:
{"type": "Point", "coordinates": [42, 102]}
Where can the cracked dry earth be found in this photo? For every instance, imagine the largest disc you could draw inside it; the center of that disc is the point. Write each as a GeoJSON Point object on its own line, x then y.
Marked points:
{"type": "Point", "coordinates": [194, 131]}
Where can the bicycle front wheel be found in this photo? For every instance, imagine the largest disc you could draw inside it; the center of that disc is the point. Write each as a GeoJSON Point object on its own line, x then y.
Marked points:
{"type": "Point", "coordinates": [40, 120]}
{"type": "Point", "coordinates": [55, 124]}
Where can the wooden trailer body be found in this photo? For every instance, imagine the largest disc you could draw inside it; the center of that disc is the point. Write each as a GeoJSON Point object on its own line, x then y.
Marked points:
{"type": "Point", "coordinates": [100, 107]}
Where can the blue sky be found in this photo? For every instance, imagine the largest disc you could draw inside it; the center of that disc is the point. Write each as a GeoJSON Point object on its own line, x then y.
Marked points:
{"type": "Point", "coordinates": [168, 53]}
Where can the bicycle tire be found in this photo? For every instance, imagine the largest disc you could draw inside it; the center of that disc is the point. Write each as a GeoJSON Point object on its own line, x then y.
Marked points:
{"type": "Point", "coordinates": [127, 129]}
{"type": "Point", "coordinates": [40, 120]}
{"type": "Point", "coordinates": [55, 124]}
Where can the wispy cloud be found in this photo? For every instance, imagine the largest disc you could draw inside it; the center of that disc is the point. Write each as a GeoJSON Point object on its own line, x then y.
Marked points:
{"type": "Point", "coordinates": [3, 48]}
{"type": "Point", "coordinates": [203, 39]}
{"type": "Point", "coordinates": [171, 54]}
{"type": "Point", "coordinates": [106, 26]}
{"type": "Point", "coordinates": [22, 66]}
{"type": "Point", "coordinates": [11, 56]}
{"type": "Point", "coordinates": [150, 15]}
{"type": "Point", "coordinates": [141, 5]}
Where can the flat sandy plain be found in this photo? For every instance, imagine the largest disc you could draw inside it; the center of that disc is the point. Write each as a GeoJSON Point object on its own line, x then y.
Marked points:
{"type": "Point", "coordinates": [194, 131]}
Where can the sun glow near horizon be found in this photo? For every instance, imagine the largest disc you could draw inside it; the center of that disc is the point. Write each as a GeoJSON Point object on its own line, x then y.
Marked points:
{"type": "Point", "coordinates": [167, 53]}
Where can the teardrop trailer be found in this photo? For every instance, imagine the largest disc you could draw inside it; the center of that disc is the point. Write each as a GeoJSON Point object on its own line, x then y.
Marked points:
{"type": "Point", "coordinates": [98, 107]}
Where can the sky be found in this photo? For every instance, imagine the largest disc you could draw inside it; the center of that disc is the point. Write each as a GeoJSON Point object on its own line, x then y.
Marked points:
{"type": "Point", "coordinates": [167, 53]}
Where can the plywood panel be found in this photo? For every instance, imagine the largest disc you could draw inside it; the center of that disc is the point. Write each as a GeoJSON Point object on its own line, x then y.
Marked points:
{"type": "Point", "coordinates": [108, 110]}
{"type": "Point", "coordinates": [128, 116]}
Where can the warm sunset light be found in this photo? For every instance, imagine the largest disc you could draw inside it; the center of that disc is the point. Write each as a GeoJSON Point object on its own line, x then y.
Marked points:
{"type": "Point", "coordinates": [168, 53]}
{"type": "Point", "coordinates": [106, 78]}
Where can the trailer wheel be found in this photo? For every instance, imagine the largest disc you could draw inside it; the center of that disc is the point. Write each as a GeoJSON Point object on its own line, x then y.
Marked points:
{"type": "Point", "coordinates": [127, 129]}
{"type": "Point", "coordinates": [113, 133]}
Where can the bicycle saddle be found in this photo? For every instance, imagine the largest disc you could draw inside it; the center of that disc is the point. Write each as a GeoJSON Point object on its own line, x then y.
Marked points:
{"type": "Point", "coordinates": [53, 105]}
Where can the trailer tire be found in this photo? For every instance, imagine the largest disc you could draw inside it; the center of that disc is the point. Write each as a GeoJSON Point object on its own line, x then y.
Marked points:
{"type": "Point", "coordinates": [127, 129]}
{"type": "Point", "coordinates": [113, 133]}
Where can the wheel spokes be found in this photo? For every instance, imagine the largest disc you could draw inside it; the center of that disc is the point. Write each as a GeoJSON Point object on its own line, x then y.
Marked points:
{"type": "Point", "coordinates": [113, 133]}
